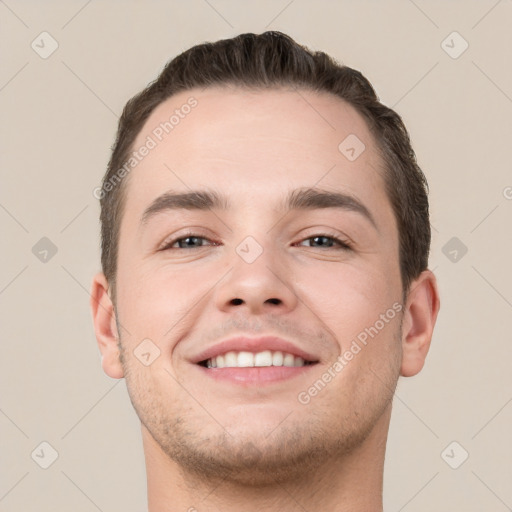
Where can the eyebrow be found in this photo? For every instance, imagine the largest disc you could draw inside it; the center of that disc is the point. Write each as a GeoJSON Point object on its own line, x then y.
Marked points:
{"type": "Point", "coordinates": [298, 199]}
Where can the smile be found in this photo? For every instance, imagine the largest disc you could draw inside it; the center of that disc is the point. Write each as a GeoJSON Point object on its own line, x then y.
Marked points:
{"type": "Point", "coordinates": [243, 359]}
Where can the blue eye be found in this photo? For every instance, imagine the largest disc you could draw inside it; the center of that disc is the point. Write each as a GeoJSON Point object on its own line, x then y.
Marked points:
{"type": "Point", "coordinates": [188, 241]}
{"type": "Point", "coordinates": [327, 242]}
{"type": "Point", "coordinates": [195, 241]}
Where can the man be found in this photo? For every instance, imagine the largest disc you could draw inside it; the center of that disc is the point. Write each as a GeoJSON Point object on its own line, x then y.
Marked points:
{"type": "Point", "coordinates": [265, 240]}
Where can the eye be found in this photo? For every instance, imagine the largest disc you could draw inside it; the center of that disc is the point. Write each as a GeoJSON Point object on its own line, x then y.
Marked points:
{"type": "Point", "coordinates": [327, 242]}
{"type": "Point", "coordinates": [195, 241]}
{"type": "Point", "coordinates": [188, 241]}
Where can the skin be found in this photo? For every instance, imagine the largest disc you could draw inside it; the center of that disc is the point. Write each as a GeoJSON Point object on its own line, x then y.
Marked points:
{"type": "Point", "coordinates": [213, 445]}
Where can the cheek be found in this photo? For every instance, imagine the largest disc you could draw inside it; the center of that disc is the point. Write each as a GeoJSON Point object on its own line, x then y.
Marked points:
{"type": "Point", "coordinates": [154, 298]}
{"type": "Point", "coordinates": [347, 298]}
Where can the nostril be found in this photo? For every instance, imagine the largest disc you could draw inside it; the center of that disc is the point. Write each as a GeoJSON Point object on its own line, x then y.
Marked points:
{"type": "Point", "coordinates": [237, 302]}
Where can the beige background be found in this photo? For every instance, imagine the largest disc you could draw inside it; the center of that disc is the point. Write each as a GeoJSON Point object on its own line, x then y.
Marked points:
{"type": "Point", "coordinates": [59, 116]}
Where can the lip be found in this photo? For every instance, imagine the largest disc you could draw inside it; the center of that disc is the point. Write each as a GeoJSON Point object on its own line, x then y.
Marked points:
{"type": "Point", "coordinates": [246, 344]}
{"type": "Point", "coordinates": [256, 376]}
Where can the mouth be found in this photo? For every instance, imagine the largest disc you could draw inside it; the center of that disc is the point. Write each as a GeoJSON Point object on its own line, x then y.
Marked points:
{"type": "Point", "coordinates": [263, 359]}
{"type": "Point", "coordinates": [255, 368]}
{"type": "Point", "coordinates": [254, 361]}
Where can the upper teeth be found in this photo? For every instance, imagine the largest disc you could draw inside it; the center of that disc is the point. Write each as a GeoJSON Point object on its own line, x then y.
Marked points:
{"type": "Point", "coordinates": [248, 359]}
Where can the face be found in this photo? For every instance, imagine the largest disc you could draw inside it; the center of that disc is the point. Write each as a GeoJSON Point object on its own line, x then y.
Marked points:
{"type": "Point", "coordinates": [318, 275]}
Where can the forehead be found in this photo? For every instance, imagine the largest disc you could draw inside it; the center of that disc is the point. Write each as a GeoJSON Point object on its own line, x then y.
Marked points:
{"type": "Point", "coordinates": [255, 145]}
{"type": "Point", "coordinates": [280, 115]}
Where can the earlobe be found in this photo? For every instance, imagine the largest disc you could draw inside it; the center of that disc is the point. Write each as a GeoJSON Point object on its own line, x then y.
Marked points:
{"type": "Point", "coordinates": [422, 307]}
{"type": "Point", "coordinates": [105, 327]}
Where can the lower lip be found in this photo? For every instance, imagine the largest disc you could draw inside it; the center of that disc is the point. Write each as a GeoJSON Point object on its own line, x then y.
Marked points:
{"type": "Point", "coordinates": [256, 375]}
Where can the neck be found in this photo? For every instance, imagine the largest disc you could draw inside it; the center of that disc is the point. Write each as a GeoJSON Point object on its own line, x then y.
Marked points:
{"type": "Point", "coordinates": [352, 483]}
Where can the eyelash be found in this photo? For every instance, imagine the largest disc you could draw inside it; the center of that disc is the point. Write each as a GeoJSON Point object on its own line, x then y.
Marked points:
{"type": "Point", "coordinates": [343, 245]}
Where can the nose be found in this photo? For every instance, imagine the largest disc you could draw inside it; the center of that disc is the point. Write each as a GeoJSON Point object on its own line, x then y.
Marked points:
{"type": "Point", "coordinates": [263, 286]}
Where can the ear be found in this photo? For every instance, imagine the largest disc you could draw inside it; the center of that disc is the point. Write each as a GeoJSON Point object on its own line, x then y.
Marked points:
{"type": "Point", "coordinates": [422, 306]}
{"type": "Point", "coordinates": [105, 327]}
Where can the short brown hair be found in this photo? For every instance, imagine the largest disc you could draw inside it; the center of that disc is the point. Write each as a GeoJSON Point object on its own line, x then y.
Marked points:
{"type": "Point", "coordinates": [270, 60]}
